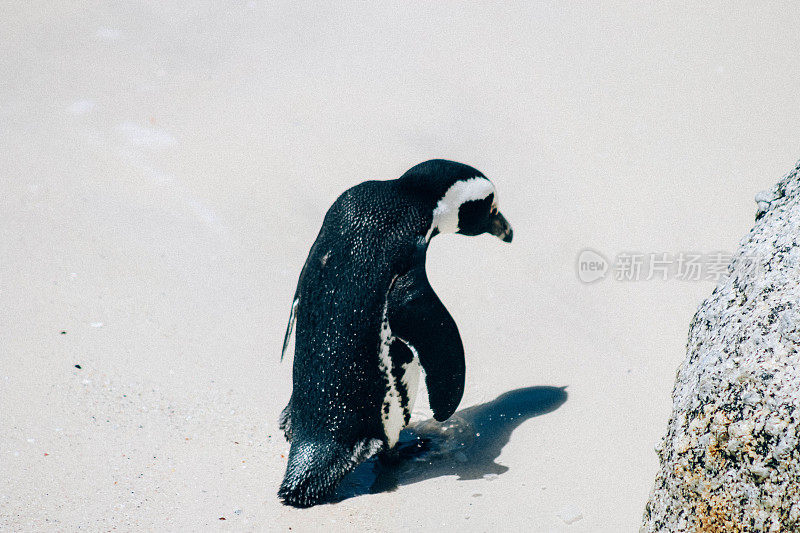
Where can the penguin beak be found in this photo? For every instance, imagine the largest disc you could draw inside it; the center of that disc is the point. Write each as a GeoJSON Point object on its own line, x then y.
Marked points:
{"type": "Point", "coordinates": [500, 228]}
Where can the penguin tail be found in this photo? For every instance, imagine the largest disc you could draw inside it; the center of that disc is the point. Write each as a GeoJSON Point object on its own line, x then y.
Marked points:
{"type": "Point", "coordinates": [314, 469]}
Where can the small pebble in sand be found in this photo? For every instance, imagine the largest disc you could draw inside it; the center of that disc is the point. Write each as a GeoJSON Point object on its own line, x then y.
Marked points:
{"type": "Point", "coordinates": [63, 332]}
{"type": "Point", "coordinates": [222, 518]}
{"type": "Point", "coordinates": [110, 34]}
{"type": "Point", "coordinates": [570, 514]}
{"type": "Point", "coordinates": [80, 107]}
{"type": "Point", "coordinates": [78, 367]}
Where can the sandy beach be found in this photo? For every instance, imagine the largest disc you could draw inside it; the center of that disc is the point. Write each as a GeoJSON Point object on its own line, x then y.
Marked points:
{"type": "Point", "coordinates": [164, 171]}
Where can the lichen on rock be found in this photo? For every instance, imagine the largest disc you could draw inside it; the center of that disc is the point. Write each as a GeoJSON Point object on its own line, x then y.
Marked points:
{"type": "Point", "coordinates": [730, 460]}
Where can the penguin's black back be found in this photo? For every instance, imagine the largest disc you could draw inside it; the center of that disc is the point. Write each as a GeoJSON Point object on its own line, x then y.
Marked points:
{"type": "Point", "coordinates": [368, 237]}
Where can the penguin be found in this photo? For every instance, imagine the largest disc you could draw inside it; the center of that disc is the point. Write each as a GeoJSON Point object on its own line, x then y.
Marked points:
{"type": "Point", "coordinates": [366, 320]}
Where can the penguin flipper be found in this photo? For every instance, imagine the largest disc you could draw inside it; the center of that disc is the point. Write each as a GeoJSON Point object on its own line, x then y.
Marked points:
{"type": "Point", "coordinates": [420, 319]}
{"type": "Point", "coordinates": [290, 326]}
{"type": "Point", "coordinates": [314, 469]}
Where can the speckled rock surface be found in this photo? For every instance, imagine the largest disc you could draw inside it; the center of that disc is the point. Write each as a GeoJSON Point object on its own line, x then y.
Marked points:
{"type": "Point", "coordinates": [730, 459]}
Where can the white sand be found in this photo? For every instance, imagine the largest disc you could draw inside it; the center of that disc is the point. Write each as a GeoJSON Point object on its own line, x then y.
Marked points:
{"type": "Point", "coordinates": [164, 171]}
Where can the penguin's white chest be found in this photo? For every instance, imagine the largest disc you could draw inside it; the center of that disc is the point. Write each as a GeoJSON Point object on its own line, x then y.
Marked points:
{"type": "Point", "coordinates": [400, 394]}
{"type": "Point", "coordinates": [411, 381]}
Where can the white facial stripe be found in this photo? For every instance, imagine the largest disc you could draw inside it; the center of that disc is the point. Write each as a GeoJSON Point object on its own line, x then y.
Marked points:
{"type": "Point", "coordinates": [445, 216]}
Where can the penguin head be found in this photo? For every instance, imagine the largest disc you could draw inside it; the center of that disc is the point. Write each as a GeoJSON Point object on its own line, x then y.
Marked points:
{"type": "Point", "coordinates": [462, 200]}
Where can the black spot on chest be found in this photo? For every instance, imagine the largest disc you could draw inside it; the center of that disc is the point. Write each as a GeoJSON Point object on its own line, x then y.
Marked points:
{"type": "Point", "coordinates": [401, 355]}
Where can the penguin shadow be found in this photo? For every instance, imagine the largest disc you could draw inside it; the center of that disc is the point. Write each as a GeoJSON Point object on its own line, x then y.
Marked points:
{"type": "Point", "coordinates": [465, 445]}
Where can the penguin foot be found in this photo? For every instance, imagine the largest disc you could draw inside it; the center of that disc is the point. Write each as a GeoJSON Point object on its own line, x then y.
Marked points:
{"type": "Point", "coordinates": [412, 450]}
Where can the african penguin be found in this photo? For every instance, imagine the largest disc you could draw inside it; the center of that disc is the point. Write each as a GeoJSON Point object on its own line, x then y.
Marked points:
{"type": "Point", "coordinates": [366, 319]}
